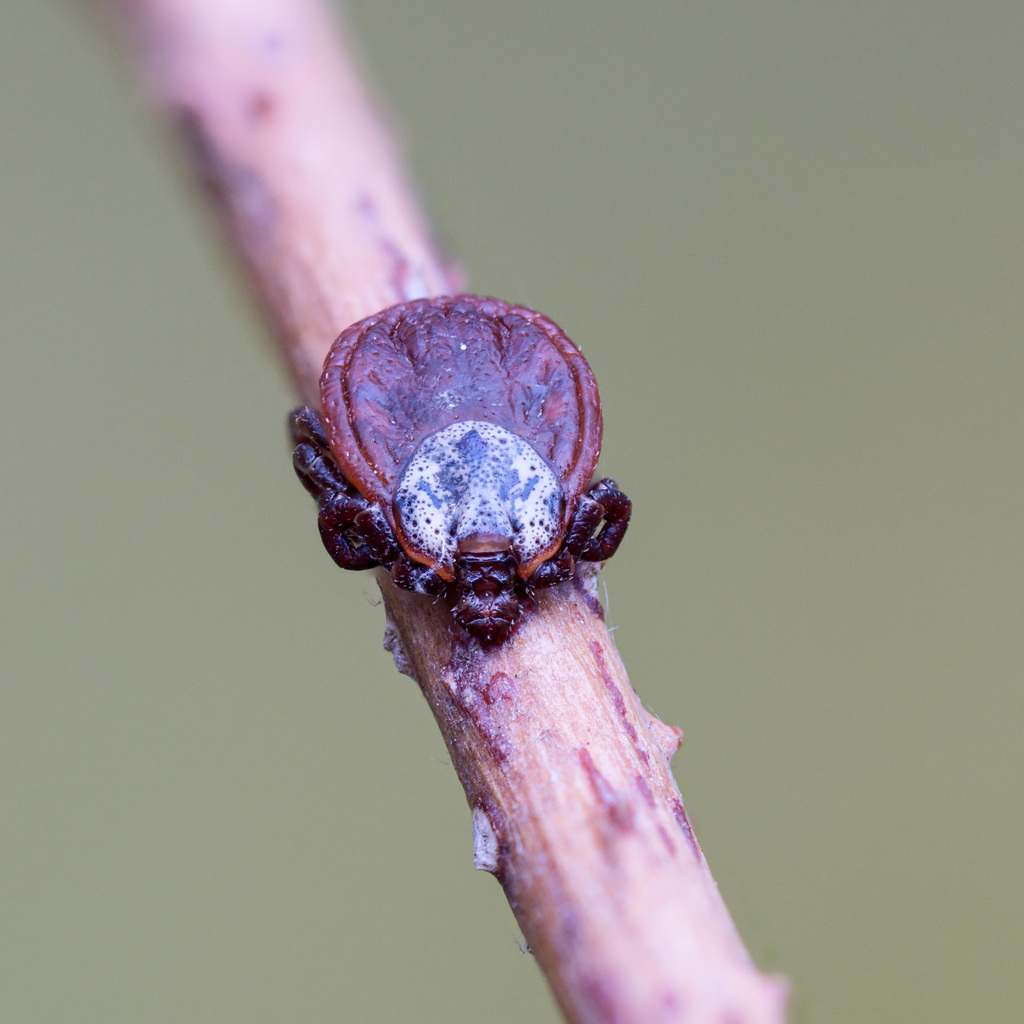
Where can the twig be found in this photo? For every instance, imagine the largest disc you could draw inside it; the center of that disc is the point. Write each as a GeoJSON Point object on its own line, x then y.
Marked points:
{"type": "Point", "coordinates": [574, 807]}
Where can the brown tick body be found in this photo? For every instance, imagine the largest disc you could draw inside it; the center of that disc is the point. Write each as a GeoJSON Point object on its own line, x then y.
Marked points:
{"type": "Point", "coordinates": [458, 442]}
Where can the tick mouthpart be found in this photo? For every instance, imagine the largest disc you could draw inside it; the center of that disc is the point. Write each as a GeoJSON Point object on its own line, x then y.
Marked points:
{"type": "Point", "coordinates": [488, 616]}
{"type": "Point", "coordinates": [484, 544]}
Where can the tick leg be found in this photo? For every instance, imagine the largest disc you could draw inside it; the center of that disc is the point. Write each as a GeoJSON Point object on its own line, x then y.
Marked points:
{"type": "Point", "coordinates": [582, 525]}
{"type": "Point", "coordinates": [555, 570]}
{"type": "Point", "coordinates": [317, 471]}
{"type": "Point", "coordinates": [603, 501]}
{"type": "Point", "coordinates": [356, 534]}
{"type": "Point", "coordinates": [305, 424]}
{"type": "Point", "coordinates": [314, 464]}
{"type": "Point", "coordinates": [420, 579]}
{"type": "Point", "coordinates": [339, 532]}
{"type": "Point", "coordinates": [347, 554]}
{"type": "Point", "coordinates": [374, 528]}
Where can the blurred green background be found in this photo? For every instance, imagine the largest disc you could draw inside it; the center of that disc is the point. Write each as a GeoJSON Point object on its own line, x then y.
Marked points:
{"type": "Point", "coordinates": [790, 238]}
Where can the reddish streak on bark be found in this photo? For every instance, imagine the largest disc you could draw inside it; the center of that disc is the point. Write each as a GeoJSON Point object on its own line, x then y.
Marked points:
{"type": "Point", "coordinates": [645, 790]}
{"type": "Point", "coordinates": [619, 811]}
{"type": "Point", "coordinates": [620, 704]}
{"type": "Point", "coordinates": [684, 824]}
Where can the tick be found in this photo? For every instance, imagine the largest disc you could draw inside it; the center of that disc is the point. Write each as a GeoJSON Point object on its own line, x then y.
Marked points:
{"type": "Point", "coordinates": [456, 449]}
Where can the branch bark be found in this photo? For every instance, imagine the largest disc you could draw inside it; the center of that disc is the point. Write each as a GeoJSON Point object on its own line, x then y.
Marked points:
{"type": "Point", "coordinates": [575, 810]}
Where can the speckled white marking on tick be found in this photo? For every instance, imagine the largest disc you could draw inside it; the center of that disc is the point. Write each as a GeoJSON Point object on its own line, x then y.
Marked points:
{"type": "Point", "coordinates": [476, 478]}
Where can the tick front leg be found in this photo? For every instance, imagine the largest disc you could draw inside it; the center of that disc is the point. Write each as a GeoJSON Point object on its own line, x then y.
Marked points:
{"type": "Point", "coordinates": [555, 570]}
{"type": "Point", "coordinates": [373, 527]}
{"type": "Point", "coordinates": [604, 501]}
{"type": "Point", "coordinates": [356, 535]}
{"type": "Point", "coordinates": [420, 579]}
{"type": "Point", "coordinates": [339, 532]}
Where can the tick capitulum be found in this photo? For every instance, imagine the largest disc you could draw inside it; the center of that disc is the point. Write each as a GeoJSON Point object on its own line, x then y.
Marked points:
{"type": "Point", "coordinates": [449, 456]}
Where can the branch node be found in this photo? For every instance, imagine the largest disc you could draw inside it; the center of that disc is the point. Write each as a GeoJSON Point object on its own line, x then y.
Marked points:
{"type": "Point", "coordinates": [667, 738]}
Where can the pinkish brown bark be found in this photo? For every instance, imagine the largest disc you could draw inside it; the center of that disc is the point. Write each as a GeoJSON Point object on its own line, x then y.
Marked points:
{"type": "Point", "coordinates": [574, 807]}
